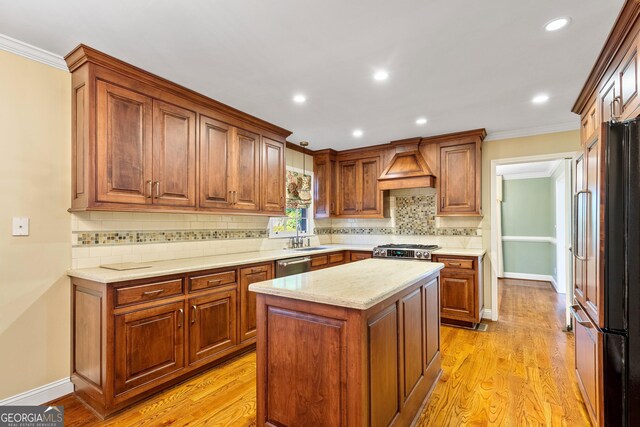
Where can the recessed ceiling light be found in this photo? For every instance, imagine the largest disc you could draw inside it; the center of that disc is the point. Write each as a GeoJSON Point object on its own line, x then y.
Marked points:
{"type": "Point", "coordinates": [421, 121]}
{"type": "Point", "coordinates": [380, 75]}
{"type": "Point", "coordinates": [299, 99]}
{"type": "Point", "coordinates": [540, 99]}
{"type": "Point", "coordinates": [357, 133]}
{"type": "Point", "coordinates": [556, 24]}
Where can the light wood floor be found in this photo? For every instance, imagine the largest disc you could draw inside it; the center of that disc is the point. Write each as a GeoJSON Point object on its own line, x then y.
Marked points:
{"type": "Point", "coordinates": [518, 373]}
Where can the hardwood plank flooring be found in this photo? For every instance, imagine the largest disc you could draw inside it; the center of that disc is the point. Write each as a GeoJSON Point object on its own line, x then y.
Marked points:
{"type": "Point", "coordinates": [518, 373]}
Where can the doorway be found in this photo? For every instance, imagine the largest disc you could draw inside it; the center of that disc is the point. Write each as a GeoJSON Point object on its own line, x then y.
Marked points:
{"type": "Point", "coordinates": [530, 239]}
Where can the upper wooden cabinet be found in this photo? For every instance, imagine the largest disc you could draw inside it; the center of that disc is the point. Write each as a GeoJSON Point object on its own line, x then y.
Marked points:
{"type": "Point", "coordinates": [358, 194]}
{"type": "Point", "coordinates": [459, 178]}
{"type": "Point", "coordinates": [142, 143]}
{"type": "Point", "coordinates": [325, 183]}
{"type": "Point", "coordinates": [351, 184]}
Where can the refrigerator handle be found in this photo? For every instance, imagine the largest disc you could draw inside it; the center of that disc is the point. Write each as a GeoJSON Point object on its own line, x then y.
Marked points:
{"type": "Point", "coordinates": [574, 311]}
{"type": "Point", "coordinates": [574, 245]}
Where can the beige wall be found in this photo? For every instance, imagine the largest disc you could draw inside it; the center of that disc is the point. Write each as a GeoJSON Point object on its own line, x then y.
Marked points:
{"type": "Point", "coordinates": [35, 126]}
{"type": "Point", "coordinates": [560, 142]}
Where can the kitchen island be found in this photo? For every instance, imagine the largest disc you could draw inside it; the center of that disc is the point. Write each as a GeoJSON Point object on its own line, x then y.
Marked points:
{"type": "Point", "coordinates": [352, 345]}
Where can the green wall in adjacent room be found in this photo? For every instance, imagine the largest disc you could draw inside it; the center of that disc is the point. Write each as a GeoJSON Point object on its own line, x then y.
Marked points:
{"type": "Point", "coordinates": [528, 209]}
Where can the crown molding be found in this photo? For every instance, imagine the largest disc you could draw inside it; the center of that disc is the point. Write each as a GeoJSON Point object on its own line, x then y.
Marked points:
{"type": "Point", "coordinates": [540, 130]}
{"type": "Point", "coordinates": [32, 52]}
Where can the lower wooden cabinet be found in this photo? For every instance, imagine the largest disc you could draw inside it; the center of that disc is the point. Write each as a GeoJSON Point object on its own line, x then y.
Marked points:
{"type": "Point", "coordinates": [249, 275]}
{"type": "Point", "coordinates": [588, 364]}
{"type": "Point", "coordinates": [212, 323]}
{"type": "Point", "coordinates": [461, 289]}
{"type": "Point", "coordinates": [359, 255]}
{"type": "Point", "coordinates": [149, 344]}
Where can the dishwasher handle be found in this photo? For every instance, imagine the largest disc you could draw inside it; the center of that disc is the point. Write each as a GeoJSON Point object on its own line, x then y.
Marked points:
{"type": "Point", "coordinates": [296, 261]}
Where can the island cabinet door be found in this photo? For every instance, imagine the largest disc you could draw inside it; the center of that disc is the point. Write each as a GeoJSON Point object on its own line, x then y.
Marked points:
{"type": "Point", "coordinates": [212, 324]}
{"type": "Point", "coordinates": [431, 321]}
{"type": "Point", "coordinates": [149, 345]}
{"type": "Point", "coordinates": [249, 275]}
{"type": "Point", "coordinates": [412, 340]}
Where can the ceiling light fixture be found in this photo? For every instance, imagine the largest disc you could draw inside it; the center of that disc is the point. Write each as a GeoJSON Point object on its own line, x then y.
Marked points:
{"type": "Point", "coordinates": [557, 24]}
{"type": "Point", "coordinates": [357, 133]}
{"type": "Point", "coordinates": [540, 99]}
{"type": "Point", "coordinates": [380, 75]}
{"type": "Point", "coordinates": [421, 121]}
{"type": "Point", "coordinates": [299, 99]}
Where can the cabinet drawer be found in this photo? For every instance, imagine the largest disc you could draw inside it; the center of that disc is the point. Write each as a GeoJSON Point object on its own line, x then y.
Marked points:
{"type": "Point", "coordinates": [466, 264]}
{"type": "Point", "coordinates": [359, 256]}
{"type": "Point", "coordinates": [150, 292]}
{"type": "Point", "coordinates": [319, 261]}
{"type": "Point", "coordinates": [337, 258]}
{"type": "Point", "coordinates": [212, 280]}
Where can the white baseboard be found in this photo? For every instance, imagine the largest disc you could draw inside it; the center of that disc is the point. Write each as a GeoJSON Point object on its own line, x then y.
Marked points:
{"type": "Point", "coordinates": [486, 313]}
{"type": "Point", "coordinates": [40, 395]}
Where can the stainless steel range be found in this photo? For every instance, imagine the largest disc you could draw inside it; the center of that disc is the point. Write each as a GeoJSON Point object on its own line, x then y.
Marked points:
{"type": "Point", "coordinates": [421, 252]}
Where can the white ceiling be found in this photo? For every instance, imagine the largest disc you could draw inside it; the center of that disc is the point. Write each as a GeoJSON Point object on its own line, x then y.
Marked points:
{"type": "Point", "coordinates": [463, 64]}
{"type": "Point", "coordinates": [528, 170]}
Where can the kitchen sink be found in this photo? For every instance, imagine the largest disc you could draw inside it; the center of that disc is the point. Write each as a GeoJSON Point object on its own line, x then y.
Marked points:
{"type": "Point", "coordinates": [314, 248]}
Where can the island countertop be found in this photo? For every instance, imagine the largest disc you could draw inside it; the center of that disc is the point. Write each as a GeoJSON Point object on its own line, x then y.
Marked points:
{"type": "Point", "coordinates": [359, 285]}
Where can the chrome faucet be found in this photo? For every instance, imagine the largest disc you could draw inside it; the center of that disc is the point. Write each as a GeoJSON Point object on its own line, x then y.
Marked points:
{"type": "Point", "coordinates": [297, 241]}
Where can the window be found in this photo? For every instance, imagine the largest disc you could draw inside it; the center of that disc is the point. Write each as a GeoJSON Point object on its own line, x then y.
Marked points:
{"type": "Point", "coordinates": [285, 226]}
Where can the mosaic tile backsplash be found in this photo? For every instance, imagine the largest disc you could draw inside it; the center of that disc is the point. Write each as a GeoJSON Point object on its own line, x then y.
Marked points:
{"type": "Point", "coordinates": [168, 236]}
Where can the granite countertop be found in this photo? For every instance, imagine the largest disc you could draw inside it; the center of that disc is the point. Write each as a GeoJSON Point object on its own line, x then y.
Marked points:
{"type": "Point", "coordinates": [185, 265]}
{"type": "Point", "coordinates": [460, 252]}
{"type": "Point", "coordinates": [358, 285]}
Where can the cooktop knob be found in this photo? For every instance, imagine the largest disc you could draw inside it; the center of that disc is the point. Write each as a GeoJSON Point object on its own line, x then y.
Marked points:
{"type": "Point", "coordinates": [418, 254]}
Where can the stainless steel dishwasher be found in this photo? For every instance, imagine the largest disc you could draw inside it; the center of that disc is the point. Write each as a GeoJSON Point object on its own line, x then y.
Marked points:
{"type": "Point", "coordinates": [290, 266]}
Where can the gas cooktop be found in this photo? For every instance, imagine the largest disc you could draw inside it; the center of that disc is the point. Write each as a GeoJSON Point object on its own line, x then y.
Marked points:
{"type": "Point", "coordinates": [407, 251]}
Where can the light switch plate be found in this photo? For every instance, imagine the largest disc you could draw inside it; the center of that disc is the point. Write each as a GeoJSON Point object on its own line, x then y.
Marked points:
{"type": "Point", "coordinates": [21, 226]}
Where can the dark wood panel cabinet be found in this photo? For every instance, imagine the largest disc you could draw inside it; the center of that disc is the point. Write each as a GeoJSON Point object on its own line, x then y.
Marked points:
{"type": "Point", "coordinates": [325, 183]}
{"type": "Point", "coordinates": [358, 193]}
{"type": "Point", "coordinates": [212, 323]}
{"type": "Point", "coordinates": [249, 275]}
{"type": "Point", "coordinates": [135, 138]}
{"type": "Point", "coordinates": [461, 289]}
{"type": "Point", "coordinates": [273, 176]}
{"type": "Point", "coordinates": [459, 179]}
{"type": "Point", "coordinates": [123, 145]}
{"type": "Point", "coordinates": [319, 364]}
{"type": "Point", "coordinates": [588, 363]}
{"type": "Point", "coordinates": [149, 344]}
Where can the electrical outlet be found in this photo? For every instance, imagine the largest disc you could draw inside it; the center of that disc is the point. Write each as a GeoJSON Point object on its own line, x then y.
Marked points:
{"type": "Point", "coordinates": [21, 226]}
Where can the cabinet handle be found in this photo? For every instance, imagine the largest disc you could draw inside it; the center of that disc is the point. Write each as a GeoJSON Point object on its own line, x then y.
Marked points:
{"type": "Point", "coordinates": [158, 291]}
{"type": "Point", "coordinates": [256, 270]}
{"type": "Point", "coordinates": [235, 197]}
{"type": "Point", "coordinates": [578, 318]}
{"type": "Point", "coordinates": [157, 185]}
{"type": "Point", "coordinates": [454, 264]}
{"type": "Point", "coordinates": [281, 200]}
{"type": "Point", "coordinates": [442, 202]}
{"type": "Point", "coordinates": [180, 318]}
{"type": "Point", "coordinates": [230, 197]}
{"type": "Point", "coordinates": [612, 108]}
{"type": "Point", "coordinates": [574, 245]}
{"type": "Point", "coordinates": [150, 186]}
{"type": "Point", "coordinates": [194, 311]}
{"type": "Point", "coordinates": [213, 282]}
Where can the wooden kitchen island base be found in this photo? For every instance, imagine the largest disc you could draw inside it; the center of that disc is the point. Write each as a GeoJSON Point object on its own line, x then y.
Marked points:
{"type": "Point", "coordinates": [325, 365]}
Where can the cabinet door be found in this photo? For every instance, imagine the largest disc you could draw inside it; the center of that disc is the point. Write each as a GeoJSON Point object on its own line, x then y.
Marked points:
{"type": "Point", "coordinates": [413, 337]}
{"type": "Point", "coordinates": [431, 320]}
{"type": "Point", "coordinates": [245, 170]}
{"type": "Point", "coordinates": [149, 345]}
{"type": "Point", "coordinates": [458, 180]}
{"type": "Point", "coordinates": [248, 299]}
{"type": "Point", "coordinates": [370, 197]}
{"type": "Point", "coordinates": [212, 324]}
{"type": "Point", "coordinates": [592, 239]}
{"type": "Point", "coordinates": [215, 149]}
{"type": "Point", "coordinates": [347, 192]}
{"type": "Point", "coordinates": [322, 189]}
{"type": "Point", "coordinates": [123, 145]}
{"type": "Point", "coordinates": [273, 176]}
{"type": "Point", "coordinates": [587, 350]}
{"type": "Point", "coordinates": [174, 155]}
{"type": "Point", "coordinates": [359, 255]}
{"type": "Point", "coordinates": [458, 296]}
{"type": "Point", "coordinates": [579, 230]}
{"type": "Point", "coordinates": [628, 80]}
{"type": "Point", "coordinates": [608, 96]}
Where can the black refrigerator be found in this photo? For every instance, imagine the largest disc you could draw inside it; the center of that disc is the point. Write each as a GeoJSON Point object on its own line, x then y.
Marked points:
{"type": "Point", "coordinates": [618, 212]}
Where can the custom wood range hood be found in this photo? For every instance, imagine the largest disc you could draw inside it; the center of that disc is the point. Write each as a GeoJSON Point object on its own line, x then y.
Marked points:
{"type": "Point", "coordinates": [407, 169]}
